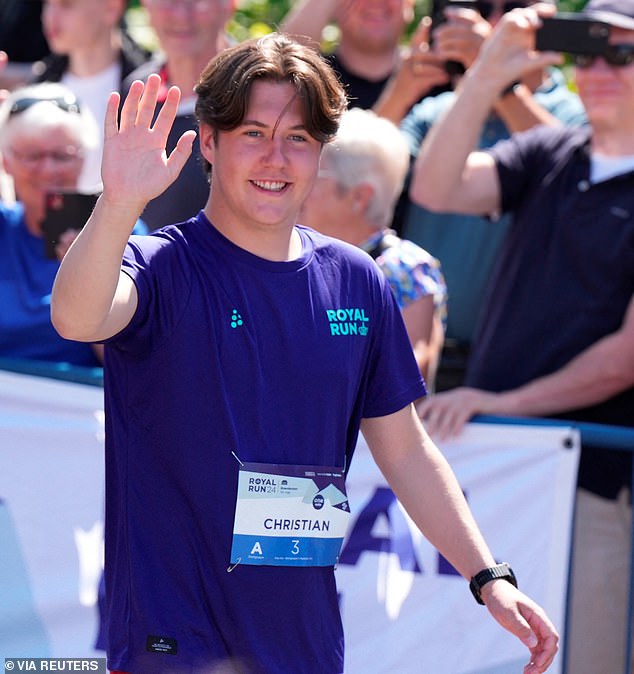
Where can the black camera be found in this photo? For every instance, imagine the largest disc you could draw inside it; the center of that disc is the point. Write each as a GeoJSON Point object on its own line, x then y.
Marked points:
{"type": "Point", "coordinates": [573, 34]}
{"type": "Point", "coordinates": [438, 17]}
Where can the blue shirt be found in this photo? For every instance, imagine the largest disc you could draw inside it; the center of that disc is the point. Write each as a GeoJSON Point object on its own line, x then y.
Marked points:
{"type": "Point", "coordinates": [466, 245]}
{"type": "Point", "coordinates": [231, 357]}
{"type": "Point", "coordinates": [26, 283]}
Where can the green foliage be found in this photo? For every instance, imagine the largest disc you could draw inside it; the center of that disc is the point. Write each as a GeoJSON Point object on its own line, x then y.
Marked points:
{"type": "Point", "coordinates": [257, 17]}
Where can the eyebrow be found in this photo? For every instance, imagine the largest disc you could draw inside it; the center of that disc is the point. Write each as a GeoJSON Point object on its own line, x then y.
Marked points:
{"type": "Point", "coordinates": [262, 125]}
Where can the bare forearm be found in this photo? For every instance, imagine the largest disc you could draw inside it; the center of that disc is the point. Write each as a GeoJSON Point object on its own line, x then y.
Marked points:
{"type": "Point", "coordinates": [307, 18]}
{"type": "Point", "coordinates": [597, 374]}
{"type": "Point", "coordinates": [424, 483]}
{"type": "Point", "coordinates": [441, 162]}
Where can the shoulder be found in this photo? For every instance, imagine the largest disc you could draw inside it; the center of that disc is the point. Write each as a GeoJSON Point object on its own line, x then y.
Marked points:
{"type": "Point", "coordinates": [11, 214]}
{"type": "Point", "coordinates": [544, 140]}
{"type": "Point", "coordinates": [51, 68]}
{"type": "Point", "coordinates": [144, 250]}
{"type": "Point", "coordinates": [329, 250]}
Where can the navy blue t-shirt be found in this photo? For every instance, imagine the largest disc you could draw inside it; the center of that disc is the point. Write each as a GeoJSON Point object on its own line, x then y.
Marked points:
{"type": "Point", "coordinates": [230, 356]}
{"type": "Point", "coordinates": [564, 279]}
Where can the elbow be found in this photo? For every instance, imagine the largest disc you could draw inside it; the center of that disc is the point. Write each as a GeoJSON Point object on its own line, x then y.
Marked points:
{"type": "Point", "coordinates": [422, 193]}
{"type": "Point", "coordinates": [65, 326]}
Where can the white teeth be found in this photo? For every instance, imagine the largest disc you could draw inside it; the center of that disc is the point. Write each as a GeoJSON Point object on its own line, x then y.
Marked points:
{"type": "Point", "coordinates": [270, 185]}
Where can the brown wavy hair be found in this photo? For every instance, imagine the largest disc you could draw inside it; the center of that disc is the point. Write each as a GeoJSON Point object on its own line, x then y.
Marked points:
{"type": "Point", "coordinates": [224, 87]}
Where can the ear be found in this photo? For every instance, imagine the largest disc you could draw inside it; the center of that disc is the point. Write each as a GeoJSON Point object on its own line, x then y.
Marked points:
{"type": "Point", "coordinates": [207, 140]}
{"type": "Point", "coordinates": [362, 194]}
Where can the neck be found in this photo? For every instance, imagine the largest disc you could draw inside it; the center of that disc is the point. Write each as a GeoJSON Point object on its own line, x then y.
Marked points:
{"type": "Point", "coordinates": [277, 243]}
{"type": "Point", "coordinates": [93, 60]}
{"type": "Point", "coordinates": [371, 66]}
{"type": "Point", "coordinates": [612, 143]}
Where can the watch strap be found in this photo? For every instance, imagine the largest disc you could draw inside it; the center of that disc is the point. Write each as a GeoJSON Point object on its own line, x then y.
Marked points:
{"type": "Point", "coordinates": [499, 571]}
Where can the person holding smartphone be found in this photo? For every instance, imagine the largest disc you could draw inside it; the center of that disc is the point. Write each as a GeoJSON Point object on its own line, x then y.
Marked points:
{"type": "Point", "coordinates": [556, 337]}
{"type": "Point", "coordinates": [44, 135]}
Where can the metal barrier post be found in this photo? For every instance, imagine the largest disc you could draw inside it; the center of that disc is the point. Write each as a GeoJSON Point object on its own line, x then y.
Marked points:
{"type": "Point", "coordinates": [630, 605]}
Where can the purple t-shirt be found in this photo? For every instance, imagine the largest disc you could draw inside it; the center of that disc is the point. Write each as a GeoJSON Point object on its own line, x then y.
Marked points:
{"type": "Point", "coordinates": [230, 356]}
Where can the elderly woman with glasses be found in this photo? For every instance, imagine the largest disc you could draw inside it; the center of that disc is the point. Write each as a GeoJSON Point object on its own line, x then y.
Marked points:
{"type": "Point", "coordinates": [43, 137]}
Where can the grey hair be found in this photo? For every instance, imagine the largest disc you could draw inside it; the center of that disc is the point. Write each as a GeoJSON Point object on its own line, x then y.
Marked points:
{"type": "Point", "coordinates": [44, 113]}
{"type": "Point", "coordinates": [369, 149]}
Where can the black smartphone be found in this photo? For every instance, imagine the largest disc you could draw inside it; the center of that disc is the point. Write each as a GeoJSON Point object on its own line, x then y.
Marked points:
{"type": "Point", "coordinates": [65, 210]}
{"type": "Point", "coordinates": [438, 17]}
{"type": "Point", "coordinates": [573, 34]}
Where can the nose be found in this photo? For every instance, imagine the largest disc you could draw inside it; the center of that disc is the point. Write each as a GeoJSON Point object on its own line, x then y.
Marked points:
{"type": "Point", "coordinates": [275, 154]}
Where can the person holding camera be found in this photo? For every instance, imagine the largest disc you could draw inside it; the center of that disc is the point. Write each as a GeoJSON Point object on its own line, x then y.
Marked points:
{"type": "Point", "coordinates": [465, 244]}
{"type": "Point", "coordinates": [557, 331]}
{"type": "Point", "coordinates": [43, 137]}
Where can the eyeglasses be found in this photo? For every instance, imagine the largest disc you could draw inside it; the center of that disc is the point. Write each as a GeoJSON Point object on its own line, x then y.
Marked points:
{"type": "Point", "coordinates": [196, 5]}
{"type": "Point", "coordinates": [486, 8]}
{"type": "Point", "coordinates": [617, 55]}
{"type": "Point", "coordinates": [66, 103]}
{"type": "Point", "coordinates": [64, 157]}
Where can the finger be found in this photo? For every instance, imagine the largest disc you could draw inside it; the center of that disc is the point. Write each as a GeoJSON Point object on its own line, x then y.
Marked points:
{"type": "Point", "coordinates": [130, 106]}
{"type": "Point", "coordinates": [167, 114]}
{"type": "Point", "coordinates": [180, 154]}
{"type": "Point", "coordinates": [111, 121]}
{"type": "Point", "coordinates": [421, 34]}
{"type": "Point", "coordinates": [547, 640]}
{"type": "Point", "coordinates": [148, 101]}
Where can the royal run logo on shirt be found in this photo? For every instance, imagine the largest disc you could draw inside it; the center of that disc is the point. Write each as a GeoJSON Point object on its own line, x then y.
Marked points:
{"type": "Point", "coordinates": [343, 322]}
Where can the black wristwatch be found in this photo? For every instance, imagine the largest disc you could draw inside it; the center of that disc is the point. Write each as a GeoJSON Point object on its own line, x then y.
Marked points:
{"type": "Point", "coordinates": [486, 575]}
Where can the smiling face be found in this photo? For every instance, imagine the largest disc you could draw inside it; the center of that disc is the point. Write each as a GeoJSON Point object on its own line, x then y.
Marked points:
{"type": "Point", "coordinates": [264, 168]}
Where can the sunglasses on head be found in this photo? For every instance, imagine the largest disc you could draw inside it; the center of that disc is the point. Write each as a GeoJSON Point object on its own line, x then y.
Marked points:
{"type": "Point", "coordinates": [66, 103]}
{"type": "Point", "coordinates": [618, 55]}
{"type": "Point", "coordinates": [486, 8]}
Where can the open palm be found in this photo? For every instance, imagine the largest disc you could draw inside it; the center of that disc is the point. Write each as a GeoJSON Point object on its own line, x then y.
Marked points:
{"type": "Point", "coordinates": [135, 166]}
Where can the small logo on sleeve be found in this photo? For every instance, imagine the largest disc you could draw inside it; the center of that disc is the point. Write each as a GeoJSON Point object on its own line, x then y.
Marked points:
{"type": "Point", "coordinates": [347, 322]}
{"type": "Point", "coordinates": [165, 645]}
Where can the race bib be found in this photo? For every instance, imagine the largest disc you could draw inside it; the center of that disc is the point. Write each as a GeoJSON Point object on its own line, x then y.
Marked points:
{"type": "Point", "coordinates": [289, 515]}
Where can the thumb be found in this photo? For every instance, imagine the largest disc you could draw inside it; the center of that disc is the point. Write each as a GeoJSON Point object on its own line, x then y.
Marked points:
{"type": "Point", "coordinates": [180, 154]}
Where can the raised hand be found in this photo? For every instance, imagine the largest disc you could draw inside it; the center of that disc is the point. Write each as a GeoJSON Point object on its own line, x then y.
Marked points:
{"type": "Point", "coordinates": [135, 166]}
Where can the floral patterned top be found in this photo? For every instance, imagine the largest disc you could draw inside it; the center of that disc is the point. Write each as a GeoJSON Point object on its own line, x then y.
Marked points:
{"type": "Point", "coordinates": [410, 270]}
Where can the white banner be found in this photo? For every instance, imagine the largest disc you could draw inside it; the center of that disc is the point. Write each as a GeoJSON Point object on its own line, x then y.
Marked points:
{"type": "Point", "coordinates": [405, 611]}
{"type": "Point", "coordinates": [51, 514]}
{"type": "Point", "coordinates": [404, 608]}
